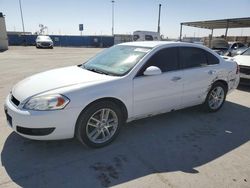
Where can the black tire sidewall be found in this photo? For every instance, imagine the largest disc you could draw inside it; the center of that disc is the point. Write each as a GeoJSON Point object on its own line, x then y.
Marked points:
{"type": "Point", "coordinates": [206, 104]}
{"type": "Point", "coordinates": [87, 113]}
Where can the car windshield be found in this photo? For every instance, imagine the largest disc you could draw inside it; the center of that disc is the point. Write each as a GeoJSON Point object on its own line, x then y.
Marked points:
{"type": "Point", "coordinates": [247, 52]}
{"type": "Point", "coordinates": [117, 60]}
{"type": "Point", "coordinates": [43, 38]}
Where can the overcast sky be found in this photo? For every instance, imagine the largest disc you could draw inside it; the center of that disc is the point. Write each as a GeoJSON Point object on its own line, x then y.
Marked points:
{"type": "Point", "coordinates": [63, 17]}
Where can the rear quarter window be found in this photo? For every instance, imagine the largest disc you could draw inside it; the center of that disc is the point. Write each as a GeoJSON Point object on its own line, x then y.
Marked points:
{"type": "Point", "coordinates": [211, 59]}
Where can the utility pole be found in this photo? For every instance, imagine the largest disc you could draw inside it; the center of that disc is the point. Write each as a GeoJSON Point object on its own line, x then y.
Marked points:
{"type": "Point", "coordinates": [20, 5]}
{"type": "Point", "coordinates": [113, 2]}
{"type": "Point", "coordinates": [159, 19]}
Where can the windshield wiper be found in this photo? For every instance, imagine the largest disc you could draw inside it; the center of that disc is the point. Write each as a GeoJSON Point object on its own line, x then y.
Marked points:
{"type": "Point", "coordinates": [99, 71]}
{"type": "Point", "coordinates": [95, 70]}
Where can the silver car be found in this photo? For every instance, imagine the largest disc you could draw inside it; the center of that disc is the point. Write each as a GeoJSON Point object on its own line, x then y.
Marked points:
{"type": "Point", "coordinates": [43, 41]}
{"type": "Point", "coordinates": [236, 48]}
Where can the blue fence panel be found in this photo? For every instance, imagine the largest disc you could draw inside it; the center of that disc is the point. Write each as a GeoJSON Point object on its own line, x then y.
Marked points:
{"type": "Point", "coordinates": [64, 40]}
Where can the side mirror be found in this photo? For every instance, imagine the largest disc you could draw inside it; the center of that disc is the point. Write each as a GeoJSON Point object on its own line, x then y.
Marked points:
{"type": "Point", "coordinates": [151, 71]}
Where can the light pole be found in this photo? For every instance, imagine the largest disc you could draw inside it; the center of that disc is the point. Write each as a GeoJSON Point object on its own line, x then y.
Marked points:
{"type": "Point", "coordinates": [113, 2]}
{"type": "Point", "coordinates": [20, 5]}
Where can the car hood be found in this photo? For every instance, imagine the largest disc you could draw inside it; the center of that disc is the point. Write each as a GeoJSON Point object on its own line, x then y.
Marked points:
{"type": "Point", "coordinates": [55, 79]}
{"type": "Point", "coordinates": [242, 60]}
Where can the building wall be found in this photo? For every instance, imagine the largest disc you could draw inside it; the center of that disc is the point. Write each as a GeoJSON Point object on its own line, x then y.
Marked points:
{"type": "Point", "coordinates": [3, 34]}
{"type": "Point", "coordinates": [122, 38]}
{"type": "Point", "coordinates": [64, 40]}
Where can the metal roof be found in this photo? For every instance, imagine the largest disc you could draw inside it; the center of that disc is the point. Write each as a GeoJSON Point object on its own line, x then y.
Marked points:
{"type": "Point", "coordinates": [220, 24]}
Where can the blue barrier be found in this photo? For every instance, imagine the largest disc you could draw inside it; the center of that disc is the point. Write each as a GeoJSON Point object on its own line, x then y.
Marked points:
{"type": "Point", "coordinates": [64, 40]}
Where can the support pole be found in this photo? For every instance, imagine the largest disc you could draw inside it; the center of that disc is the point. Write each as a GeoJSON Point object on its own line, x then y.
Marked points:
{"type": "Point", "coordinates": [226, 29]}
{"type": "Point", "coordinates": [180, 31]}
{"type": "Point", "coordinates": [210, 38]}
{"type": "Point", "coordinates": [113, 17]}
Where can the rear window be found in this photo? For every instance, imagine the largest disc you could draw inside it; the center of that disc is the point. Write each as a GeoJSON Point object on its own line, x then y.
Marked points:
{"type": "Point", "coordinates": [241, 45]}
{"type": "Point", "coordinates": [149, 37]}
{"type": "Point", "coordinates": [247, 52]}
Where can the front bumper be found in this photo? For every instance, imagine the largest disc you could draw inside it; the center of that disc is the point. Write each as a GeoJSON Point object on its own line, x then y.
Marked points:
{"type": "Point", "coordinates": [244, 79]}
{"type": "Point", "coordinates": [41, 125]}
{"type": "Point", "coordinates": [44, 44]}
{"type": "Point", "coordinates": [245, 75]}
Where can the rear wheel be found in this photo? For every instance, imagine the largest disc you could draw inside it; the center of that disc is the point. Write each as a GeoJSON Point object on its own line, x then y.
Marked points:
{"type": "Point", "coordinates": [215, 97]}
{"type": "Point", "coordinates": [99, 124]}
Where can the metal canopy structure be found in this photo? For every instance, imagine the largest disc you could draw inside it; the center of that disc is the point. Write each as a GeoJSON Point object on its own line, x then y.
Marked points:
{"type": "Point", "coordinates": [219, 24]}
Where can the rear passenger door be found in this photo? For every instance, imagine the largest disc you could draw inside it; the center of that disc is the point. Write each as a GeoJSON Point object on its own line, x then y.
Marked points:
{"type": "Point", "coordinates": [199, 71]}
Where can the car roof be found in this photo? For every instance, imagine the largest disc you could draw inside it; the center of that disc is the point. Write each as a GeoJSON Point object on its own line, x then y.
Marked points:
{"type": "Point", "coordinates": [153, 44]}
{"type": "Point", "coordinates": [157, 44]}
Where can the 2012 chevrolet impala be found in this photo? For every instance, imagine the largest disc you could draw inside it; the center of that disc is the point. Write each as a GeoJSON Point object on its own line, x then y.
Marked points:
{"type": "Point", "coordinates": [123, 83]}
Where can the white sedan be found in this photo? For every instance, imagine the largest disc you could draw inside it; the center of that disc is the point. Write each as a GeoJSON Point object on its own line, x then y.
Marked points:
{"type": "Point", "coordinates": [125, 82]}
{"type": "Point", "coordinates": [243, 61]}
{"type": "Point", "coordinates": [43, 41]}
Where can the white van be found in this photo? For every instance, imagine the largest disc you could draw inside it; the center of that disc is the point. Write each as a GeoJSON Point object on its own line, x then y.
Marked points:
{"type": "Point", "coordinates": [146, 36]}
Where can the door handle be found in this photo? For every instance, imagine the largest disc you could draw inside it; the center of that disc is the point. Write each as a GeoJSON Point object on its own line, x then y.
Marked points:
{"type": "Point", "coordinates": [211, 72]}
{"type": "Point", "coordinates": [175, 78]}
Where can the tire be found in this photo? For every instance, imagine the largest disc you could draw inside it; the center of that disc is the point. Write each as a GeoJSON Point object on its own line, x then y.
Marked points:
{"type": "Point", "coordinates": [215, 97]}
{"type": "Point", "coordinates": [87, 126]}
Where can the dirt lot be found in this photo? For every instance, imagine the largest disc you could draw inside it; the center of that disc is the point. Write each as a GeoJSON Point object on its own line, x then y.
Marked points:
{"type": "Point", "coordinates": [187, 148]}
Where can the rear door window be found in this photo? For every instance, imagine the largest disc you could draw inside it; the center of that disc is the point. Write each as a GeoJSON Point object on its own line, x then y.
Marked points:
{"type": "Point", "coordinates": [191, 57]}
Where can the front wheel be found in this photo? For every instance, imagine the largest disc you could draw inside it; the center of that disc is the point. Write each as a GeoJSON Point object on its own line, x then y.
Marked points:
{"type": "Point", "coordinates": [99, 124]}
{"type": "Point", "coordinates": [215, 97]}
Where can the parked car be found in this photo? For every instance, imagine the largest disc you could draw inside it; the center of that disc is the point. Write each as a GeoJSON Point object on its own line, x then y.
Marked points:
{"type": "Point", "coordinates": [236, 48]}
{"type": "Point", "coordinates": [43, 41]}
{"type": "Point", "coordinates": [146, 36]}
{"type": "Point", "coordinates": [220, 46]}
{"type": "Point", "coordinates": [126, 82]}
{"type": "Point", "coordinates": [244, 62]}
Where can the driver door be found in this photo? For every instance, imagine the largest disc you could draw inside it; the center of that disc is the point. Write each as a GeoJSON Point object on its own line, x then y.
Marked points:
{"type": "Point", "coordinates": [158, 93]}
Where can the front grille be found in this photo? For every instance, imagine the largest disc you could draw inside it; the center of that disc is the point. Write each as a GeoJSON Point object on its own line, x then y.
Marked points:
{"type": "Point", "coordinates": [245, 69]}
{"type": "Point", "coordinates": [45, 44]}
{"type": "Point", "coordinates": [14, 100]}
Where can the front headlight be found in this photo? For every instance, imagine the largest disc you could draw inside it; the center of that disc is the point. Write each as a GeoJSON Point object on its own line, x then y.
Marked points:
{"type": "Point", "coordinates": [47, 102]}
